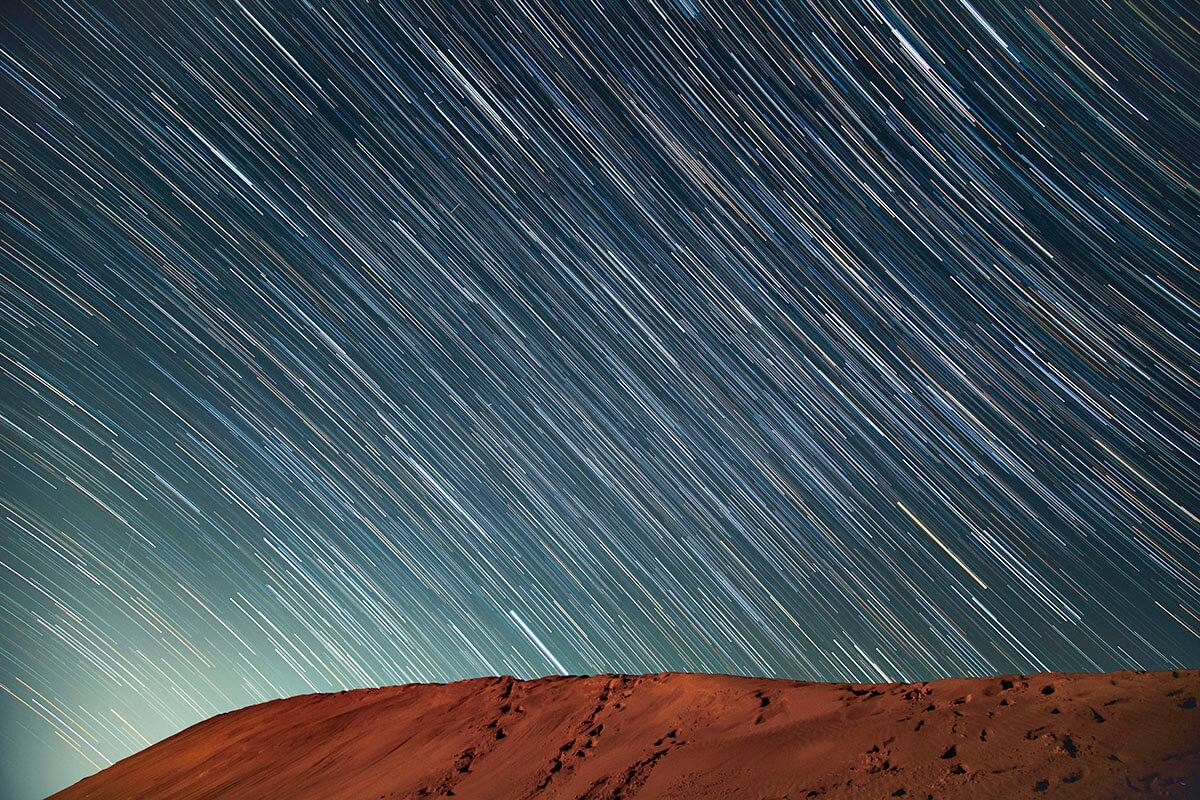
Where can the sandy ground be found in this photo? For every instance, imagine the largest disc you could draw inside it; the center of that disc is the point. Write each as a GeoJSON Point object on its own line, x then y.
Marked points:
{"type": "Point", "coordinates": [1123, 734]}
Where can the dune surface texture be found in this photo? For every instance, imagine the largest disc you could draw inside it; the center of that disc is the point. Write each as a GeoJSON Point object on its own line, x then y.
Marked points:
{"type": "Point", "coordinates": [1123, 734]}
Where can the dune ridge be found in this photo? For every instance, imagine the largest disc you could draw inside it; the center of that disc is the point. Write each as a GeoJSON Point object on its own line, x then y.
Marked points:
{"type": "Point", "coordinates": [675, 735]}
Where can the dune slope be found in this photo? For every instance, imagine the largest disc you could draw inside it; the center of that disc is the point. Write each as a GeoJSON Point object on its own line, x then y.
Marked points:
{"type": "Point", "coordinates": [604, 737]}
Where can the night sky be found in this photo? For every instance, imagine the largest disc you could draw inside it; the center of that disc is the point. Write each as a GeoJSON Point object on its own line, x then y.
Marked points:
{"type": "Point", "coordinates": [349, 344]}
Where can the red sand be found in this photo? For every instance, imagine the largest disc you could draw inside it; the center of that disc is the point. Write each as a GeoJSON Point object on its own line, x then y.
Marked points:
{"type": "Point", "coordinates": [1123, 734]}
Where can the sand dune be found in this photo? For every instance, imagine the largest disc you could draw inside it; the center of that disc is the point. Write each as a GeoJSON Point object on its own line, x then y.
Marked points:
{"type": "Point", "coordinates": [604, 737]}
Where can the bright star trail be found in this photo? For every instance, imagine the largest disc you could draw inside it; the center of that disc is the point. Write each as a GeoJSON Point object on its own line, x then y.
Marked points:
{"type": "Point", "coordinates": [353, 343]}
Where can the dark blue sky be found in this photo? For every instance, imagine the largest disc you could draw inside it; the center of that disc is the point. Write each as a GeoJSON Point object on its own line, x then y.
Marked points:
{"type": "Point", "coordinates": [356, 343]}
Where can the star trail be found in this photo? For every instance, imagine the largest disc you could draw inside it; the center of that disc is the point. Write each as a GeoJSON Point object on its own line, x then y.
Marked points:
{"type": "Point", "coordinates": [359, 343]}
